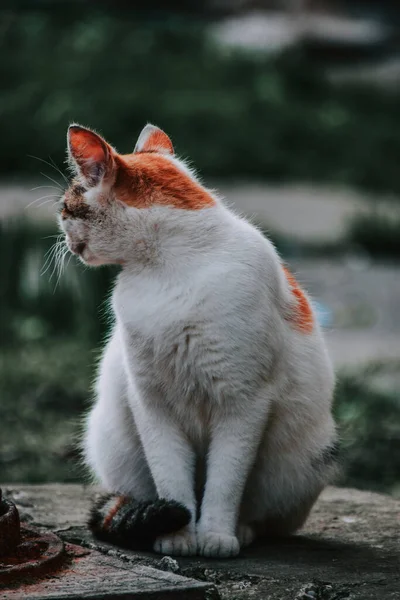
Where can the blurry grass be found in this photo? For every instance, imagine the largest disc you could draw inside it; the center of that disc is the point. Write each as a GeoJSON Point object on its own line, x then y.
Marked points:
{"type": "Point", "coordinates": [49, 343]}
{"type": "Point", "coordinates": [233, 113]}
{"type": "Point", "coordinates": [45, 388]}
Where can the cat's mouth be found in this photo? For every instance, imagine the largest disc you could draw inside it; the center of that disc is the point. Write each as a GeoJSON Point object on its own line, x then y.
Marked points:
{"type": "Point", "coordinates": [77, 248]}
{"type": "Point", "coordinates": [81, 249]}
{"type": "Point", "coordinates": [86, 255]}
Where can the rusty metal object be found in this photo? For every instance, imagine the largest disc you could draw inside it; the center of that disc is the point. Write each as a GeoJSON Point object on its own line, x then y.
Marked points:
{"type": "Point", "coordinates": [40, 566]}
{"type": "Point", "coordinates": [25, 552]}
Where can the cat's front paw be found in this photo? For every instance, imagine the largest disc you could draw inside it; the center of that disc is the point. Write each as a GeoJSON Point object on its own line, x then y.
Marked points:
{"type": "Point", "coordinates": [181, 543]}
{"type": "Point", "coordinates": [217, 545]}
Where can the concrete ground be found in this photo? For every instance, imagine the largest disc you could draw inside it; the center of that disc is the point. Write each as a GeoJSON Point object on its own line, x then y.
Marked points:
{"type": "Point", "coordinates": [358, 299]}
{"type": "Point", "coordinates": [348, 549]}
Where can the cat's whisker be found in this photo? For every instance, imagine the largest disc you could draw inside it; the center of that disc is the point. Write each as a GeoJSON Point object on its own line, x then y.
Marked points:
{"type": "Point", "coordinates": [51, 253]}
{"type": "Point", "coordinates": [59, 170]}
{"type": "Point", "coordinates": [68, 261]}
{"type": "Point", "coordinates": [47, 265]}
{"type": "Point", "coordinates": [53, 180]}
{"type": "Point", "coordinates": [51, 196]}
{"type": "Point", "coordinates": [50, 256]}
{"type": "Point", "coordinates": [61, 267]}
{"type": "Point", "coordinates": [54, 203]}
{"type": "Point", "coordinates": [51, 164]}
{"type": "Point", "coordinates": [56, 260]}
{"type": "Point", "coordinates": [58, 236]}
{"type": "Point", "coordinates": [39, 187]}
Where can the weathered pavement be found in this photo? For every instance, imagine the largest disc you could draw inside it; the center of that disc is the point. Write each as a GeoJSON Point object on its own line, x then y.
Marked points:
{"type": "Point", "coordinates": [349, 549]}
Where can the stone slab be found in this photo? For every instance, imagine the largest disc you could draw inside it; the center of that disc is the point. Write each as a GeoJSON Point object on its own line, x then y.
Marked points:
{"type": "Point", "coordinates": [349, 548]}
{"type": "Point", "coordinates": [92, 575]}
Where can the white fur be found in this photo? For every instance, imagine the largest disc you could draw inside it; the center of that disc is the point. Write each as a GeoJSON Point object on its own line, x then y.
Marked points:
{"type": "Point", "coordinates": [206, 393]}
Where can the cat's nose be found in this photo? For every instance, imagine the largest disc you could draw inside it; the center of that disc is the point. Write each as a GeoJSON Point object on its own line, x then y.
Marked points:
{"type": "Point", "coordinates": [77, 247]}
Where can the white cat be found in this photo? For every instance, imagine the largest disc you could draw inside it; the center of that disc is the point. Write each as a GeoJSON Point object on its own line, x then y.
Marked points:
{"type": "Point", "coordinates": [215, 387]}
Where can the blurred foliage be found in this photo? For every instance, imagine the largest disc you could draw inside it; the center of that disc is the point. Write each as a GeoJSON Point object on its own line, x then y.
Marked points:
{"type": "Point", "coordinates": [376, 233]}
{"type": "Point", "coordinates": [369, 425]}
{"type": "Point", "coordinates": [50, 336]}
{"type": "Point", "coordinates": [37, 302]}
{"type": "Point", "coordinates": [50, 327]}
{"type": "Point", "coordinates": [234, 114]}
{"type": "Point", "coordinates": [44, 388]}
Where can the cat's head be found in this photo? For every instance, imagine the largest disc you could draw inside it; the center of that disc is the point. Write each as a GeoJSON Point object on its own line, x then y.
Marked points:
{"type": "Point", "coordinates": [116, 202]}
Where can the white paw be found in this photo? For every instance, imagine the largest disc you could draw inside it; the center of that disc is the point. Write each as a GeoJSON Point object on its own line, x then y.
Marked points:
{"type": "Point", "coordinates": [245, 535]}
{"type": "Point", "coordinates": [182, 543]}
{"type": "Point", "coordinates": [217, 545]}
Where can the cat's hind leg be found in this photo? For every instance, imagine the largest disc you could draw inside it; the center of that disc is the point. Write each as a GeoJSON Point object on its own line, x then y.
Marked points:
{"type": "Point", "coordinates": [296, 460]}
{"type": "Point", "coordinates": [246, 534]}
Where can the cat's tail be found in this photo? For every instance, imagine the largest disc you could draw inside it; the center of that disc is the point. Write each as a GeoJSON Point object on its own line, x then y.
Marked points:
{"type": "Point", "coordinates": [128, 523]}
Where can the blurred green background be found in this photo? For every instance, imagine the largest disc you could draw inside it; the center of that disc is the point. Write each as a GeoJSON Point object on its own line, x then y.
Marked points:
{"type": "Point", "coordinates": [298, 126]}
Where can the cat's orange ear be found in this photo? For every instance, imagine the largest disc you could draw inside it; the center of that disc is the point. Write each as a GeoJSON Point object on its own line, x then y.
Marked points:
{"type": "Point", "coordinates": [90, 154]}
{"type": "Point", "coordinates": [153, 139]}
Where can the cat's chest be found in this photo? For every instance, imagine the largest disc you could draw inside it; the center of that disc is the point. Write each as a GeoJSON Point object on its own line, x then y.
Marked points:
{"type": "Point", "coordinates": [171, 365]}
{"type": "Point", "coordinates": [170, 357]}
{"type": "Point", "coordinates": [178, 338]}
{"type": "Point", "coordinates": [149, 309]}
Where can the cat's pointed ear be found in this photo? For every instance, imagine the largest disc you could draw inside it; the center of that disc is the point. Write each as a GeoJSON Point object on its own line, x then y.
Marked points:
{"type": "Point", "coordinates": [153, 139]}
{"type": "Point", "coordinates": [90, 154]}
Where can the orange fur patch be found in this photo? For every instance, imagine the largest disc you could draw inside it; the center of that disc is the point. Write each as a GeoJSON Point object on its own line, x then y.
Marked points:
{"type": "Point", "coordinates": [91, 153]}
{"type": "Point", "coordinates": [158, 141]}
{"type": "Point", "coordinates": [303, 318]}
{"type": "Point", "coordinates": [120, 502]}
{"type": "Point", "coordinates": [86, 145]}
{"type": "Point", "coordinates": [145, 179]}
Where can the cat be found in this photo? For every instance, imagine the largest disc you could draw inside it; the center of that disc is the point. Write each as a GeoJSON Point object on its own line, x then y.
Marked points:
{"type": "Point", "coordinates": [212, 424]}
